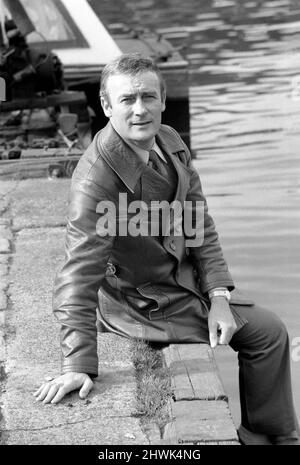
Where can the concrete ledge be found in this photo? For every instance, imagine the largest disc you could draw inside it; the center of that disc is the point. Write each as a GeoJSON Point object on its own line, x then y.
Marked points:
{"type": "Point", "coordinates": [199, 408]}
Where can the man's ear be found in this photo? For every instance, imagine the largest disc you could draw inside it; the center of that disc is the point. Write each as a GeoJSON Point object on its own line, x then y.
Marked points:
{"type": "Point", "coordinates": [106, 106]}
{"type": "Point", "coordinates": [163, 100]}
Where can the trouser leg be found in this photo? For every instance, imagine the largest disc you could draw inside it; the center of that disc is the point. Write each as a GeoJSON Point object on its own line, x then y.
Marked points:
{"type": "Point", "coordinates": [264, 372]}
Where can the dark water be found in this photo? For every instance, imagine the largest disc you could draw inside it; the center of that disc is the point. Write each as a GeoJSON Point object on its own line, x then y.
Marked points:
{"type": "Point", "coordinates": [244, 61]}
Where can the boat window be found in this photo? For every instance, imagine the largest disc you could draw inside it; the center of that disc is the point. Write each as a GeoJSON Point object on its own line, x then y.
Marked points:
{"type": "Point", "coordinates": [48, 20]}
{"type": "Point", "coordinates": [53, 24]}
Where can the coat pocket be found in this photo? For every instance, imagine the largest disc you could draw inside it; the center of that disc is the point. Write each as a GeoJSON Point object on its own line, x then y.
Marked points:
{"type": "Point", "coordinates": [160, 299]}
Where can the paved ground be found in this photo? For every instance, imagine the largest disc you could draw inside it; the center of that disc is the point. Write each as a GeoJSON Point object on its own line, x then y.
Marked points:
{"type": "Point", "coordinates": [32, 218]}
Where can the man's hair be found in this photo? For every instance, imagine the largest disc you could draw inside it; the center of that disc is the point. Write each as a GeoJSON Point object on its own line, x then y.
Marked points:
{"type": "Point", "coordinates": [130, 64]}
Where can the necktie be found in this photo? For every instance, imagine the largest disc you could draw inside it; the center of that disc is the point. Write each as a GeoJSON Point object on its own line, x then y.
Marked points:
{"type": "Point", "coordinates": [155, 163]}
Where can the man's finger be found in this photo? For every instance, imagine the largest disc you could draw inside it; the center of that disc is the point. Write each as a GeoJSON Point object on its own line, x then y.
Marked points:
{"type": "Point", "coordinates": [43, 392]}
{"type": "Point", "coordinates": [51, 393]}
{"type": "Point", "coordinates": [59, 395]}
{"type": "Point", "coordinates": [86, 388]}
{"type": "Point", "coordinates": [213, 337]}
{"type": "Point", "coordinates": [226, 335]}
{"type": "Point", "coordinates": [39, 390]}
{"type": "Point", "coordinates": [213, 332]}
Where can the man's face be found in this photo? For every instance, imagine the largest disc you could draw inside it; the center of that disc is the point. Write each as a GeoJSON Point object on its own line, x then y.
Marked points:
{"type": "Point", "coordinates": [134, 105]}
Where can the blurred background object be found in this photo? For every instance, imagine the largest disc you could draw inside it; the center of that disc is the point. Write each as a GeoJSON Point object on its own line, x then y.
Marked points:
{"type": "Point", "coordinates": [51, 57]}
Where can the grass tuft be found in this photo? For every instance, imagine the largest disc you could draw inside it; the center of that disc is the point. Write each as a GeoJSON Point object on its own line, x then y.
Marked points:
{"type": "Point", "coordinates": [153, 384]}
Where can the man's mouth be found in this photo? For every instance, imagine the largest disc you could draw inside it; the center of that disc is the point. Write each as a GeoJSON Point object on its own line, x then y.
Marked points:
{"type": "Point", "coordinates": [141, 123]}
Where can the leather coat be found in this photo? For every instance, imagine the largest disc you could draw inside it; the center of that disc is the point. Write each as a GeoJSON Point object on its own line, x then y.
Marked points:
{"type": "Point", "coordinates": [141, 287]}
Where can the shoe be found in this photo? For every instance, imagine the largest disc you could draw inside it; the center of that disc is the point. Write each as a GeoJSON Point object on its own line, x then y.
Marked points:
{"type": "Point", "coordinates": [247, 438]}
{"type": "Point", "coordinates": [291, 439]}
{"type": "Point", "coordinates": [287, 442]}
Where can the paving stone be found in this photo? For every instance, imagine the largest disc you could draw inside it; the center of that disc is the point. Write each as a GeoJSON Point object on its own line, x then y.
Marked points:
{"type": "Point", "coordinates": [4, 245]}
{"type": "Point", "coordinates": [39, 203]}
{"type": "Point", "coordinates": [4, 283]}
{"type": "Point", "coordinates": [194, 372]}
{"type": "Point", "coordinates": [2, 346]}
{"type": "Point", "coordinates": [5, 232]}
{"type": "Point", "coordinates": [90, 431]}
{"type": "Point", "coordinates": [5, 221]}
{"type": "Point", "coordinates": [3, 300]}
{"type": "Point", "coordinates": [6, 187]}
{"type": "Point", "coordinates": [3, 205]}
{"type": "Point", "coordinates": [3, 269]}
{"type": "Point", "coordinates": [199, 420]}
{"type": "Point", "coordinates": [200, 409]}
{"type": "Point", "coordinates": [4, 259]}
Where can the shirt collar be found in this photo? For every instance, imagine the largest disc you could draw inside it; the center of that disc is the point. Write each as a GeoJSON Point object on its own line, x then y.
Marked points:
{"type": "Point", "coordinates": [142, 153]}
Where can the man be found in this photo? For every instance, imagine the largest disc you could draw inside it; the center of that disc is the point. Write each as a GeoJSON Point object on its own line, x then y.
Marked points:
{"type": "Point", "coordinates": [152, 274]}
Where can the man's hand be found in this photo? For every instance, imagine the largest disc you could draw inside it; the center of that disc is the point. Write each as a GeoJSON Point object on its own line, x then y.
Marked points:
{"type": "Point", "coordinates": [55, 389]}
{"type": "Point", "coordinates": [220, 320]}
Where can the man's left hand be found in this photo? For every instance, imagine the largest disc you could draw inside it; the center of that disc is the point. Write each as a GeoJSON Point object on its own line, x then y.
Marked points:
{"type": "Point", "coordinates": [221, 324]}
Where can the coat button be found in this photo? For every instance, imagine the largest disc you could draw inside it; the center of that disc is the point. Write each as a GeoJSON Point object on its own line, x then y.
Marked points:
{"type": "Point", "coordinates": [172, 246]}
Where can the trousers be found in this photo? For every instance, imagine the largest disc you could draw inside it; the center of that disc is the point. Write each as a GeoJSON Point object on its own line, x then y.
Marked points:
{"type": "Point", "coordinates": [262, 344]}
{"type": "Point", "coordinates": [264, 372]}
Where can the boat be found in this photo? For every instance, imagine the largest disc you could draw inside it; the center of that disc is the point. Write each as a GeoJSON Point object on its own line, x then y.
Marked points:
{"type": "Point", "coordinates": [72, 31]}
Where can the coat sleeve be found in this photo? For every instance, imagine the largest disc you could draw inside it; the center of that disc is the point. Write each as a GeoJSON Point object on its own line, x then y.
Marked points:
{"type": "Point", "coordinates": [75, 296]}
{"type": "Point", "coordinates": [208, 257]}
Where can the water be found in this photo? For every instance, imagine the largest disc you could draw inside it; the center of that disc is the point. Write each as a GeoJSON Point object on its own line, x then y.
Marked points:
{"type": "Point", "coordinates": [245, 123]}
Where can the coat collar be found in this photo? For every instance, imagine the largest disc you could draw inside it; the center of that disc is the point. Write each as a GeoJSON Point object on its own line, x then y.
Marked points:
{"type": "Point", "coordinates": [125, 162]}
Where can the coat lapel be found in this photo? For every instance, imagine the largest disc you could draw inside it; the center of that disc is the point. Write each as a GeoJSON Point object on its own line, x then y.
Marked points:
{"type": "Point", "coordinates": [120, 157]}
{"type": "Point", "coordinates": [172, 147]}
{"type": "Point", "coordinates": [129, 168]}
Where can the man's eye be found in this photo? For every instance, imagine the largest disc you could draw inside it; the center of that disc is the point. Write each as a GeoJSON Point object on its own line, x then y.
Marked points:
{"type": "Point", "coordinates": [127, 99]}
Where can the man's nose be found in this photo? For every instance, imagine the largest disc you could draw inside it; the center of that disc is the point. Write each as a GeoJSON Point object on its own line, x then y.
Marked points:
{"type": "Point", "coordinates": [139, 107]}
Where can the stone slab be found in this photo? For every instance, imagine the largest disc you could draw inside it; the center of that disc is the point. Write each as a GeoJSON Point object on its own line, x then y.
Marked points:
{"type": "Point", "coordinates": [90, 431]}
{"type": "Point", "coordinates": [3, 270]}
{"type": "Point", "coordinates": [3, 300]}
{"type": "Point", "coordinates": [5, 232]}
{"type": "Point", "coordinates": [112, 400]}
{"type": "Point", "coordinates": [200, 421]}
{"type": "Point", "coordinates": [3, 205]}
{"type": "Point", "coordinates": [5, 221]}
{"type": "Point", "coordinates": [39, 203]}
{"type": "Point", "coordinates": [2, 346]}
{"type": "Point", "coordinates": [4, 283]}
{"type": "Point", "coordinates": [4, 261]}
{"type": "Point", "coordinates": [4, 245]}
{"type": "Point", "coordinates": [194, 372]}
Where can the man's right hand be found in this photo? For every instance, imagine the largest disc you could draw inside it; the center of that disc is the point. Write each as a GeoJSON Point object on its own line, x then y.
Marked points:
{"type": "Point", "coordinates": [53, 391]}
